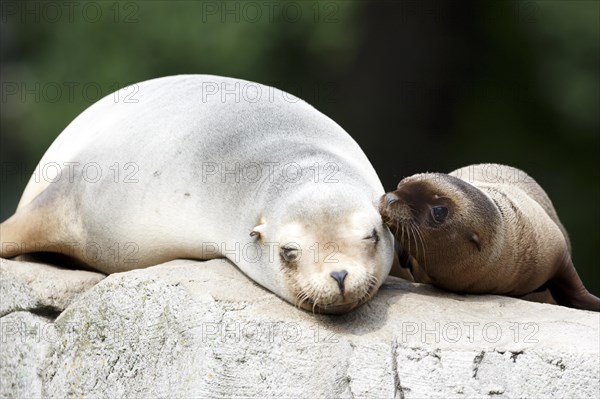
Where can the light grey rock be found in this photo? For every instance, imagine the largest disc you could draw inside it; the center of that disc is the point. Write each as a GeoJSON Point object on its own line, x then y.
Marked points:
{"type": "Point", "coordinates": [24, 342]}
{"type": "Point", "coordinates": [202, 329]}
{"type": "Point", "coordinates": [31, 296]}
{"type": "Point", "coordinates": [35, 286]}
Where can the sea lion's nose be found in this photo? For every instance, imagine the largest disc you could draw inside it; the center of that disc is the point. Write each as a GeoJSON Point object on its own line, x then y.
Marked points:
{"type": "Point", "coordinates": [390, 197]}
{"type": "Point", "coordinates": [339, 277]}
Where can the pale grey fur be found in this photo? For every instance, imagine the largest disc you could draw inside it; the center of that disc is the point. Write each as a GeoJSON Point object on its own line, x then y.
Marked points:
{"type": "Point", "coordinates": [177, 126]}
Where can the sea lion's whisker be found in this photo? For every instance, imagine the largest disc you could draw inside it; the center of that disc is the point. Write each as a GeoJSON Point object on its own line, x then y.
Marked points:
{"type": "Point", "coordinates": [415, 236]}
{"type": "Point", "coordinates": [424, 247]}
{"type": "Point", "coordinates": [408, 238]}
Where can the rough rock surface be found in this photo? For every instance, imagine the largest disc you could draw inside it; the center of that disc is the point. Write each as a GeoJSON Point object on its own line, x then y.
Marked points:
{"type": "Point", "coordinates": [41, 288]}
{"type": "Point", "coordinates": [202, 329]}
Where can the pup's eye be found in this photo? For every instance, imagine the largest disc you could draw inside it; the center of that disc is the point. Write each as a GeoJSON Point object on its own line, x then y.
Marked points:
{"type": "Point", "coordinates": [439, 213]}
{"type": "Point", "coordinates": [290, 253]}
{"type": "Point", "coordinates": [374, 237]}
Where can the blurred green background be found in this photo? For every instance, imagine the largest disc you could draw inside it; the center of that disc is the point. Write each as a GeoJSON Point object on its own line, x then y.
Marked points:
{"type": "Point", "coordinates": [421, 85]}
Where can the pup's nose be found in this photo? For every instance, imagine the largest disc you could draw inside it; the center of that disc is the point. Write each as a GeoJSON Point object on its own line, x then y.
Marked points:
{"type": "Point", "coordinates": [390, 197]}
{"type": "Point", "coordinates": [339, 277]}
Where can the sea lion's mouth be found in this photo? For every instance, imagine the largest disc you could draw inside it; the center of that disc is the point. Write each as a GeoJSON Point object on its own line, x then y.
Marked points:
{"type": "Point", "coordinates": [338, 308]}
{"type": "Point", "coordinates": [329, 309]}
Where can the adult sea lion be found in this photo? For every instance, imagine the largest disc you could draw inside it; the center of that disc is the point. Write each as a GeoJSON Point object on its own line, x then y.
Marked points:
{"type": "Point", "coordinates": [197, 166]}
{"type": "Point", "coordinates": [484, 229]}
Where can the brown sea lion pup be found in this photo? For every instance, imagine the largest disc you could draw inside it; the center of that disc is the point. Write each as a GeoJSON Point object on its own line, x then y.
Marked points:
{"type": "Point", "coordinates": [484, 229]}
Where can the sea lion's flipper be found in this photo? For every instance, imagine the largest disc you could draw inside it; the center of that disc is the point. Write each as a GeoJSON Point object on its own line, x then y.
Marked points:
{"type": "Point", "coordinates": [31, 229]}
{"type": "Point", "coordinates": [543, 295]}
{"type": "Point", "coordinates": [568, 289]}
{"type": "Point", "coordinates": [10, 237]}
